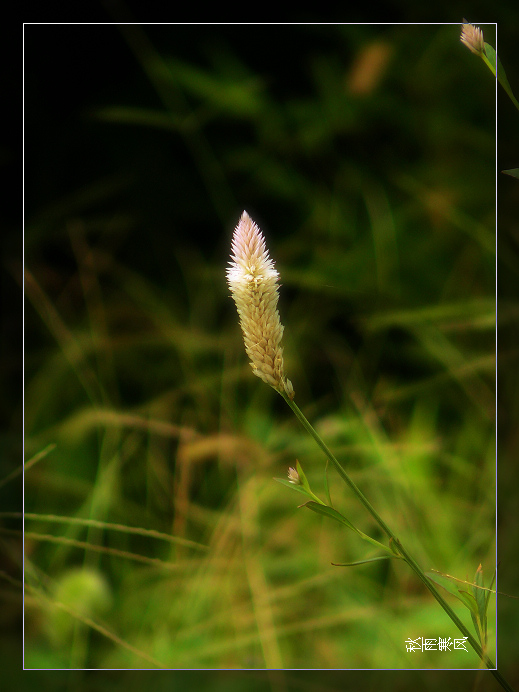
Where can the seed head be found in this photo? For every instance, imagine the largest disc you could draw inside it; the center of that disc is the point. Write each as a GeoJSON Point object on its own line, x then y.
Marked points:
{"type": "Point", "coordinates": [253, 281]}
{"type": "Point", "coordinates": [472, 37]}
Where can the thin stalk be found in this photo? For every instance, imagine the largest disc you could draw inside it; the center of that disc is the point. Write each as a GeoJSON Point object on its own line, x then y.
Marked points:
{"type": "Point", "coordinates": [403, 552]}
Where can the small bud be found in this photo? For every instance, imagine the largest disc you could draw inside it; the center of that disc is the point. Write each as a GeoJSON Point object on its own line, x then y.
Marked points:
{"type": "Point", "coordinates": [293, 476]}
{"type": "Point", "coordinates": [289, 389]}
{"type": "Point", "coordinates": [472, 37]}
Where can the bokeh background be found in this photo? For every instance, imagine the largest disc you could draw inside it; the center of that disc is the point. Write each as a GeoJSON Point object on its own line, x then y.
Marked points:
{"type": "Point", "coordinates": [155, 534]}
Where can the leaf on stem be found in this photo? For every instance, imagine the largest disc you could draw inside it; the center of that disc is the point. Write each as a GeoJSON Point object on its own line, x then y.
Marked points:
{"type": "Point", "coordinates": [299, 488]}
{"type": "Point", "coordinates": [480, 595]}
{"type": "Point", "coordinates": [337, 516]}
{"type": "Point", "coordinates": [493, 62]}
{"type": "Point", "coordinates": [476, 602]}
{"type": "Point", "coordinates": [363, 562]}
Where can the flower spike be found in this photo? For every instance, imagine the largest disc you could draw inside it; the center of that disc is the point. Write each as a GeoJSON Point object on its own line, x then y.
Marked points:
{"type": "Point", "coordinates": [253, 281]}
{"type": "Point", "coordinates": [472, 37]}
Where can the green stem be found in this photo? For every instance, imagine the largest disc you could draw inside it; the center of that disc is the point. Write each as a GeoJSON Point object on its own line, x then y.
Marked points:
{"type": "Point", "coordinates": [488, 64]}
{"type": "Point", "coordinates": [407, 557]}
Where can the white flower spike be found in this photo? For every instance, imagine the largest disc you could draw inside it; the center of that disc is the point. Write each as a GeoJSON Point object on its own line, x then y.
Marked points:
{"type": "Point", "coordinates": [253, 281]}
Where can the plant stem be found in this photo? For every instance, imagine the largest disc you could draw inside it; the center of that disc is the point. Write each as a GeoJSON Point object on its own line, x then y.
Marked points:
{"type": "Point", "coordinates": [403, 552]}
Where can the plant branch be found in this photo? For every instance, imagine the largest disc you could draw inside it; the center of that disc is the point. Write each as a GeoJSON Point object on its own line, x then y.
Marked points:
{"type": "Point", "coordinates": [403, 552]}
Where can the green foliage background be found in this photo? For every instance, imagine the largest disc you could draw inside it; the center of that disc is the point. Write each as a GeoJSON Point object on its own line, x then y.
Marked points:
{"type": "Point", "coordinates": [367, 156]}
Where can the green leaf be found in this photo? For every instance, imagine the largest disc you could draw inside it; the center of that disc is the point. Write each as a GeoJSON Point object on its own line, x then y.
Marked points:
{"type": "Point", "coordinates": [514, 172]}
{"type": "Point", "coordinates": [332, 513]}
{"type": "Point", "coordinates": [363, 562]}
{"type": "Point", "coordinates": [469, 600]}
{"type": "Point", "coordinates": [240, 97]}
{"type": "Point", "coordinates": [337, 516]}
{"type": "Point", "coordinates": [377, 544]}
{"type": "Point", "coordinates": [491, 585]}
{"type": "Point", "coordinates": [302, 476]}
{"type": "Point", "coordinates": [444, 582]}
{"type": "Point", "coordinates": [477, 627]}
{"type": "Point", "coordinates": [492, 60]}
{"type": "Point", "coordinates": [480, 594]}
{"type": "Point", "coordinates": [466, 598]}
{"type": "Point", "coordinates": [299, 488]}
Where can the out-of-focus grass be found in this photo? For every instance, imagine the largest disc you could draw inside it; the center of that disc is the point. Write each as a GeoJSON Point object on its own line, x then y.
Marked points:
{"type": "Point", "coordinates": [368, 160]}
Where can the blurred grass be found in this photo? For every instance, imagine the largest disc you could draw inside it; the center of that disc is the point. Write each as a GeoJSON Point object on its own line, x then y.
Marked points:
{"type": "Point", "coordinates": [366, 154]}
